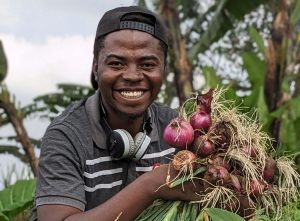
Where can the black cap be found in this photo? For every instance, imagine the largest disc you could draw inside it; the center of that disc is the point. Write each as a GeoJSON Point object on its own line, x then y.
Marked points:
{"type": "Point", "coordinates": [113, 20]}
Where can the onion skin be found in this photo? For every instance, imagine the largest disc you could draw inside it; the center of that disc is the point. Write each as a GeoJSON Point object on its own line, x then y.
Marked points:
{"type": "Point", "coordinates": [184, 159]}
{"type": "Point", "coordinates": [203, 148]}
{"type": "Point", "coordinates": [223, 134]}
{"type": "Point", "coordinates": [217, 175]}
{"type": "Point", "coordinates": [269, 170]}
{"type": "Point", "coordinates": [257, 187]}
{"type": "Point", "coordinates": [218, 160]}
{"type": "Point", "coordinates": [250, 151]}
{"type": "Point", "coordinates": [204, 101]}
{"type": "Point", "coordinates": [179, 133]}
{"type": "Point", "coordinates": [235, 183]}
{"type": "Point", "coordinates": [201, 122]}
{"type": "Point", "coordinates": [246, 209]}
{"type": "Point", "coordinates": [222, 173]}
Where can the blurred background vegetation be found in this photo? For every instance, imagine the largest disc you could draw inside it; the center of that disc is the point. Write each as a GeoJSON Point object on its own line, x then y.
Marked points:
{"type": "Point", "coordinates": [251, 47]}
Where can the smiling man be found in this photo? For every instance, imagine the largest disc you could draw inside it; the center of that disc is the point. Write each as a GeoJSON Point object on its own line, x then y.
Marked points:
{"type": "Point", "coordinates": [129, 72]}
{"type": "Point", "coordinates": [97, 157]}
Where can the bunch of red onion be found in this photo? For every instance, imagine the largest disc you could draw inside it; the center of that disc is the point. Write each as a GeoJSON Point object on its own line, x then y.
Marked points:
{"type": "Point", "coordinates": [181, 133]}
{"type": "Point", "coordinates": [235, 164]}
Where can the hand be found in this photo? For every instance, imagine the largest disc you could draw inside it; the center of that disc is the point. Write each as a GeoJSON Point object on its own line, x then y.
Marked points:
{"type": "Point", "coordinates": [163, 174]}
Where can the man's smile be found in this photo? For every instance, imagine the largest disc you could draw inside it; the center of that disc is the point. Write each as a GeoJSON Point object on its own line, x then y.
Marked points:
{"type": "Point", "coordinates": [132, 94]}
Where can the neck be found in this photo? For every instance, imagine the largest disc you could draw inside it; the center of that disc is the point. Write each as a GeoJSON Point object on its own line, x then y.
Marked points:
{"type": "Point", "coordinates": [132, 125]}
{"type": "Point", "coordinates": [117, 120]}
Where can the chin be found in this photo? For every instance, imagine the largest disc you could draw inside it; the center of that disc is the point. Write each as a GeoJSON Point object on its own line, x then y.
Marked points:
{"type": "Point", "coordinates": [133, 112]}
{"type": "Point", "coordinates": [134, 116]}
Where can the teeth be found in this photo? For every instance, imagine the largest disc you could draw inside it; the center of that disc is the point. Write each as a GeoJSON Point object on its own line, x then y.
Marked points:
{"type": "Point", "coordinates": [132, 94]}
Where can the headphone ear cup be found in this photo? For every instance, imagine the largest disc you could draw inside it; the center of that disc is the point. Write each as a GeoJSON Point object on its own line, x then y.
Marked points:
{"type": "Point", "coordinates": [138, 139]}
{"type": "Point", "coordinates": [142, 142]}
{"type": "Point", "coordinates": [129, 146]}
{"type": "Point", "coordinates": [121, 144]}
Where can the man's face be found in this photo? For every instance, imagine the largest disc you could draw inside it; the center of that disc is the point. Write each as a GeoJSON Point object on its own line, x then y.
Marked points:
{"type": "Point", "coordinates": [130, 71]}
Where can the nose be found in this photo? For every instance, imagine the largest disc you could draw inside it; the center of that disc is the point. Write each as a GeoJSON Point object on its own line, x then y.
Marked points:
{"type": "Point", "coordinates": [132, 74]}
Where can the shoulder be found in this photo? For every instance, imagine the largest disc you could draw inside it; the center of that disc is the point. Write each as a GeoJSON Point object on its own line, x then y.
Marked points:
{"type": "Point", "coordinates": [68, 134]}
{"type": "Point", "coordinates": [73, 113]}
{"type": "Point", "coordinates": [74, 117]}
{"type": "Point", "coordinates": [162, 113]}
{"type": "Point", "coordinates": [72, 123]}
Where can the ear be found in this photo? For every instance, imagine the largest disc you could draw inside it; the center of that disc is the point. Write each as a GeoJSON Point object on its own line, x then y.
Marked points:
{"type": "Point", "coordinates": [94, 74]}
{"type": "Point", "coordinates": [95, 66]}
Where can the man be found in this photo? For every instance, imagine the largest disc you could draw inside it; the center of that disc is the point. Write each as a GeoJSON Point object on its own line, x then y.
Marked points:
{"type": "Point", "coordinates": [97, 157]}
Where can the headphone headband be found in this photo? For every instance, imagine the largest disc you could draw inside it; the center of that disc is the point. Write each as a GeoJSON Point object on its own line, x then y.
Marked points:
{"type": "Point", "coordinates": [120, 143]}
{"type": "Point", "coordinates": [147, 124]}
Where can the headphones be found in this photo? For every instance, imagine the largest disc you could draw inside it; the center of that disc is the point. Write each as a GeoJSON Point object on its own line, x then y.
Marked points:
{"type": "Point", "coordinates": [121, 145]}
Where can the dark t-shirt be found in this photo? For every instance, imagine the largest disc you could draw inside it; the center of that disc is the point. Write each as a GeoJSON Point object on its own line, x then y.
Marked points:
{"type": "Point", "coordinates": [75, 167]}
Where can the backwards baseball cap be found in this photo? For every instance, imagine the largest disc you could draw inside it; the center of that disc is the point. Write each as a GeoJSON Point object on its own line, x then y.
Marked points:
{"type": "Point", "coordinates": [114, 20]}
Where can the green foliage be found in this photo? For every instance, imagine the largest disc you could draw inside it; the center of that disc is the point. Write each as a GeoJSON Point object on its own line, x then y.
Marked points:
{"type": "Point", "coordinates": [239, 9]}
{"type": "Point", "coordinates": [217, 214]}
{"type": "Point", "coordinates": [290, 127]}
{"type": "Point", "coordinates": [16, 198]}
{"type": "Point", "coordinates": [12, 172]}
{"type": "Point", "coordinates": [290, 212]}
{"type": "Point", "coordinates": [212, 80]}
{"type": "Point", "coordinates": [141, 3]}
{"type": "Point", "coordinates": [185, 9]}
{"type": "Point", "coordinates": [186, 178]}
{"type": "Point", "coordinates": [204, 27]}
{"type": "Point", "coordinates": [13, 150]}
{"type": "Point", "coordinates": [223, 17]}
{"type": "Point", "coordinates": [168, 92]}
{"type": "Point", "coordinates": [68, 93]}
{"type": "Point", "coordinates": [190, 107]}
{"type": "Point", "coordinates": [288, 113]}
{"type": "Point", "coordinates": [179, 210]}
{"type": "Point", "coordinates": [3, 63]}
{"type": "Point", "coordinates": [218, 25]}
{"type": "Point", "coordinates": [256, 37]}
{"type": "Point", "coordinates": [49, 105]}
{"type": "Point", "coordinates": [295, 17]}
{"type": "Point", "coordinates": [256, 69]}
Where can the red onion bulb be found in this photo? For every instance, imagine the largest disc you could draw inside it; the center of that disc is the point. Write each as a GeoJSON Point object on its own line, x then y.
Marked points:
{"type": "Point", "coordinates": [203, 148]}
{"type": "Point", "coordinates": [179, 133]}
{"type": "Point", "coordinates": [201, 122]}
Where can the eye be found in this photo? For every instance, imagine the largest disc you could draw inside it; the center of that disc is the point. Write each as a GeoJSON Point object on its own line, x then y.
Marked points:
{"type": "Point", "coordinates": [115, 64]}
{"type": "Point", "coordinates": [148, 65]}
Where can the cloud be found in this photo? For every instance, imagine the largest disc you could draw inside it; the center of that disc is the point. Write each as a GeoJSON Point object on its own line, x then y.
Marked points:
{"type": "Point", "coordinates": [35, 20]}
{"type": "Point", "coordinates": [47, 42]}
{"type": "Point", "coordinates": [36, 68]}
{"type": "Point", "coordinates": [7, 14]}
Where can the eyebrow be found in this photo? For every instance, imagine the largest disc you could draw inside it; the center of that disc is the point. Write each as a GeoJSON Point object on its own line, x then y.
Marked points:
{"type": "Point", "coordinates": [149, 57]}
{"type": "Point", "coordinates": [122, 58]}
{"type": "Point", "coordinates": [109, 56]}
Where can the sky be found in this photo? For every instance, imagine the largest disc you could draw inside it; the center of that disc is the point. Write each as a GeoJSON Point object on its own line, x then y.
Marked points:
{"type": "Point", "coordinates": [47, 42]}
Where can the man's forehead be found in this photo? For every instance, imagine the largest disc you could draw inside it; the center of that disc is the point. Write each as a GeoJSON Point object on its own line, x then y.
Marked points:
{"type": "Point", "coordinates": [131, 40]}
{"type": "Point", "coordinates": [132, 43]}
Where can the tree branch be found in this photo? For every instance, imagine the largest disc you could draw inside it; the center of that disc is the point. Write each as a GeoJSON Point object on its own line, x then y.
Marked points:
{"type": "Point", "coordinates": [22, 136]}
